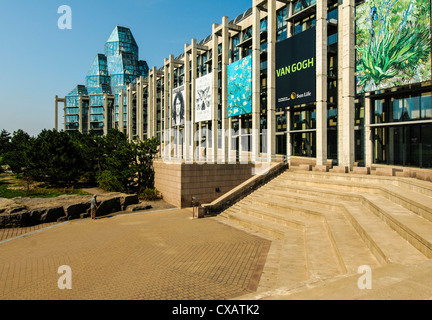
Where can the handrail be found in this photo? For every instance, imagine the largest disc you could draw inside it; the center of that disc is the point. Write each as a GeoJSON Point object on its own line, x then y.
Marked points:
{"type": "Point", "coordinates": [230, 198]}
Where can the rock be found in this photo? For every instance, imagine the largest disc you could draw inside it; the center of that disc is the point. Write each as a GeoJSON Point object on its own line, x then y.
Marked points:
{"type": "Point", "coordinates": [74, 211]}
{"type": "Point", "coordinates": [139, 207]}
{"type": "Point", "coordinates": [108, 206]}
{"type": "Point", "coordinates": [129, 200]}
{"type": "Point", "coordinates": [24, 212]}
{"type": "Point", "coordinates": [52, 214]}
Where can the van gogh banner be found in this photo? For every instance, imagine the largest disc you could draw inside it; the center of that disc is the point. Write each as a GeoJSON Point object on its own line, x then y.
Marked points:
{"type": "Point", "coordinates": [178, 107]}
{"type": "Point", "coordinates": [296, 70]}
{"type": "Point", "coordinates": [240, 87]}
{"type": "Point", "coordinates": [203, 98]}
{"type": "Point", "coordinates": [393, 43]}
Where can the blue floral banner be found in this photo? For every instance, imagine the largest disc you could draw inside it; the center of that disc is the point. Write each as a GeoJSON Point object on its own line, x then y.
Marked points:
{"type": "Point", "coordinates": [240, 87]}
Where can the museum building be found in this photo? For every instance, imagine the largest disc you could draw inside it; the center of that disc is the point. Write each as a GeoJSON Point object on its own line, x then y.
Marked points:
{"type": "Point", "coordinates": [317, 82]}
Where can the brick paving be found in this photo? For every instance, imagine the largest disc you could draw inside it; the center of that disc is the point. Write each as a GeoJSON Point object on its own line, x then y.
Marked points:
{"type": "Point", "coordinates": [162, 255]}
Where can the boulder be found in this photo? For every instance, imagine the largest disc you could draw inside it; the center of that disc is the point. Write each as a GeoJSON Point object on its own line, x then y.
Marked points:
{"type": "Point", "coordinates": [108, 206]}
{"type": "Point", "coordinates": [128, 200]}
{"type": "Point", "coordinates": [74, 211]}
{"type": "Point", "coordinates": [52, 214]}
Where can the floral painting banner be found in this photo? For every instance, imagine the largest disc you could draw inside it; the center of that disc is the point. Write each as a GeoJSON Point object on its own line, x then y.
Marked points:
{"type": "Point", "coordinates": [393, 43]}
{"type": "Point", "coordinates": [240, 87]}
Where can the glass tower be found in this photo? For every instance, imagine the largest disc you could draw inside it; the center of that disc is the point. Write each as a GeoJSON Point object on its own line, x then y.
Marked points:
{"type": "Point", "coordinates": [96, 105]}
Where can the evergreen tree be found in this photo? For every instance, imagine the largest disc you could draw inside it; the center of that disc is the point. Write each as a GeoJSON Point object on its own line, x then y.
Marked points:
{"type": "Point", "coordinates": [145, 152]}
{"type": "Point", "coordinates": [117, 172]}
{"type": "Point", "coordinates": [55, 159]}
{"type": "Point", "coordinates": [18, 152]}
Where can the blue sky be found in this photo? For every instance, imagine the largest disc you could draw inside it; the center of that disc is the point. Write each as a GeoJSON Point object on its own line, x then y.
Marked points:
{"type": "Point", "coordinates": [38, 60]}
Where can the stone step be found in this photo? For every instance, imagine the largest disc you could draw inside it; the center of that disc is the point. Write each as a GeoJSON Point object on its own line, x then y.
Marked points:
{"type": "Point", "coordinates": [384, 242]}
{"type": "Point", "coordinates": [350, 249]}
{"type": "Point", "coordinates": [299, 196]}
{"type": "Point", "coordinates": [415, 229]}
{"type": "Point", "coordinates": [323, 256]}
{"type": "Point", "coordinates": [389, 282]}
{"type": "Point", "coordinates": [418, 203]}
{"type": "Point", "coordinates": [418, 186]}
{"type": "Point", "coordinates": [265, 227]}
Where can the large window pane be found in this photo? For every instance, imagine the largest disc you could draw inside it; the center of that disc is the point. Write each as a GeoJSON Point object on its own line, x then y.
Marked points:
{"type": "Point", "coordinates": [303, 144]}
{"type": "Point", "coordinates": [426, 149]}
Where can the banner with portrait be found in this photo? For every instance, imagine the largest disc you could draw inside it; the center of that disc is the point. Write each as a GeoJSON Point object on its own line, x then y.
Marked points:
{"type": "Point", "coordinates": [178, 106]}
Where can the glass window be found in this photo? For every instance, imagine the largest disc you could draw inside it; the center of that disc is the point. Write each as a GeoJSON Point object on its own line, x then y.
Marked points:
{"type": "Point", "coordinates": [302, 4]}
{"type": "Point", "coordinates": [412, 108]}
{"type": "Point", "coordinates": [426, 154]}
{"type": "Point", "coordinates": [281, 123]}
{"type": "Point", "coordinates": [405, 145]}
{"type": "Point", "coordinates": [426, 106]}
{"type": "Point", "coordinates": [303, 120]}
{"type": "Point", "coordinates": [281, 144]}
{"type": "Point", "coordinates": [303, 144]}
{"type": "Point", "coordinates": [97, 110]}
{"type": "Point", "coordinates": [379, 114]}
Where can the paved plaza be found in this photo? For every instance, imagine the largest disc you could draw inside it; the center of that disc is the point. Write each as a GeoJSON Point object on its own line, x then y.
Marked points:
{"type": "Point", "coordinates": [160, 255]}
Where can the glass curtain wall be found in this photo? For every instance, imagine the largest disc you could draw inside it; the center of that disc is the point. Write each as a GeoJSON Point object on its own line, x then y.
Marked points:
{"type": "Point", "coordinates": [402, 130]}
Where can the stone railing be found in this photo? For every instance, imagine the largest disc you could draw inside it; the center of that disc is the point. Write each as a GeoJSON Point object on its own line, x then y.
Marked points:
{"type": "Point", "coordinates": [230, 198]}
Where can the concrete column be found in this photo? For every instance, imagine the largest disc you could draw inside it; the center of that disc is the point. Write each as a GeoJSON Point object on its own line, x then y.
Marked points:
{"type": "Point", "coordinates": [129, 101]}
{"type": "Point", "coordinates": [225, 62]}
{"type": "Point", "coordinates": [290, 10]}
{"type": "Point", "coordinates": [214, 154]}
{"type": "Point", "coordinates": [56, 114]}
{"type": "Point", "coordinates": [271, 82]}
{"type": "Point", "coordinates": [150, 106]}
{"type": "Point", "coordinates": [121, 112]}
{"type": "Point", "coordinates": [368, 143]}
{"type": "Point", "coordinates": [139, 108]}
{"type": "Point", "coordinates": [105, 106]}
{"type": "Point", "coordinates": [188, 107]}
{"type": "Point", "coordinates": [346, 69]}
{"type": "Point", "coordinates": [256, 84]}
{"type": "Point", "coordinates": [194, 67]}
{"type": "Point", "coordinates": [289, 144]}
{"type": "Point", "coordinates": [80, 114]}
{"type": "Point", "coordinates": [230, 133]}
{"type": "Point", "coordinates": [154, 119]}
{"type": "Point", "coordinates": [170, 95]}
{"type": "Point", "coordinates": [165, 112]}
{"type": "Point", "coordinates": [321, 83]}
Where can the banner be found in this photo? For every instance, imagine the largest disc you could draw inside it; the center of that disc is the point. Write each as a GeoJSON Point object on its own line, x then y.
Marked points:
{"type": "Point", "coordinates": [296, 70]}
{"type": "Point", "coordinates": [240, 87]}
{"type": "Point", "coordinates": [178, 107]}
{"type": "Point", "coordinates": [393, 43]}
{"type": "Point", "coordinates": [203, 98]}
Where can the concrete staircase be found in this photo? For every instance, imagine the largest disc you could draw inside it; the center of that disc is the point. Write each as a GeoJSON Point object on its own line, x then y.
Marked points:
{"type": "Point", "coordinates": [324, 226]}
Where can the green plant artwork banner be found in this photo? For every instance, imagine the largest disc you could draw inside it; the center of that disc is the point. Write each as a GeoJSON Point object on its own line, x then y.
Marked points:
{"type": "Point", "coordinates": [393, 42]}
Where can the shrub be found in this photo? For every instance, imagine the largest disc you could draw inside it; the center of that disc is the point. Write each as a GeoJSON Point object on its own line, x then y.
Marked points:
{"type": "Point", "coordinates": [150, 194]}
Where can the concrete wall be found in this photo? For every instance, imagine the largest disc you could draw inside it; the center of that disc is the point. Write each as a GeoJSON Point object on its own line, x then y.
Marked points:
{"type": "Point", "coordinates": [178, 183]}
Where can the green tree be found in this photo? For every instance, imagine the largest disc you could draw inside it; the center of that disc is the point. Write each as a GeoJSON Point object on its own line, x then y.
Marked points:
{"type": "Point", "coordinates": [145, 152]}
{"type": "Point", "coordinates": [117, 171]}
{"type": "Point", "coordinates": [91, 149]}
{"type": "Point", "coordinates": [55, 159]}
{"type": "Point", "coordinates": [5, 138]}
{"type": "Point", "coordinates": [18, 152]}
